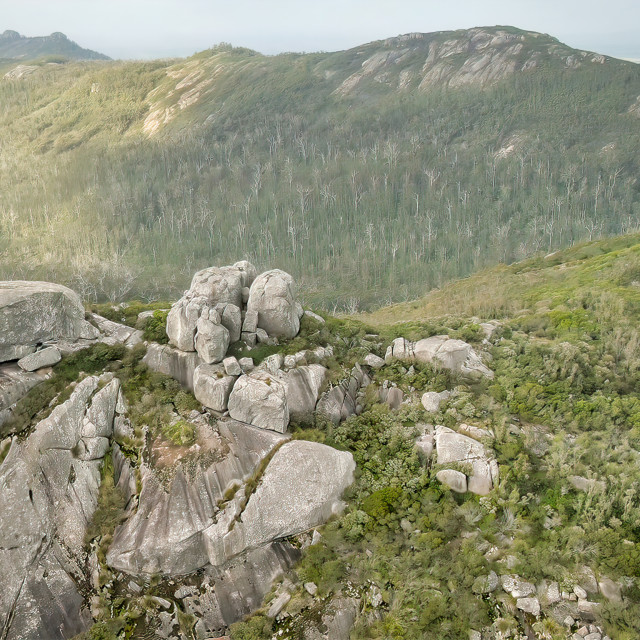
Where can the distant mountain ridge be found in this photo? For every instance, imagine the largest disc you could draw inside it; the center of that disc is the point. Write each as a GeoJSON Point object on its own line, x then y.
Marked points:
{"type": "Point", "coordinates": [16, 46]}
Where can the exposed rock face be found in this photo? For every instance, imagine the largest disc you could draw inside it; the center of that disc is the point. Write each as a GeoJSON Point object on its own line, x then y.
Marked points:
{"type": "Point", "coordinates": [303, 386]}
{"type": "Point", "coordinates": [165, 533]}
{"type": "Point", "coordinates": [180, 365]}
{"type": "Point", "coordinates": [14, 384]}
{"type": "Point", "coordinates": [49, 489]}
{"type": "Point", "coordinates": [454, 447]}
{"type": "Point", "coordinates": [35, 312]}
{"type": "Point", "coordinates": [182, 321]}
{"type": "Point", "coordinates": [339, 403]}
{"type": "Point", "coordinates": [432, 400]}
{"type": "Point", "coordinates": [315, 476]}
{"type": "Point", "coordinates": [39, 359]}
{"type": "Point", "coordinates": [212, 386]}
{"type": "Point", "coordinates": [259, 398]}
{"type": "Point", "coordinates": [115, 332]}
{"type": "Point", "coordinates": [273, 295]}
{"type": "Point", "coordinates": [455, 355]}
{"type": "Point", "coordinates": [223, 284]}
{"type": "Point", "coordinates": [212, 338]}
{"type": "Point", "coordinates": [455, 480]}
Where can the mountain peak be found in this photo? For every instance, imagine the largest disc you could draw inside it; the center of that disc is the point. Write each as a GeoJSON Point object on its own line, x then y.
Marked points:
{"type": "Point", "coordinates": [18, 47]}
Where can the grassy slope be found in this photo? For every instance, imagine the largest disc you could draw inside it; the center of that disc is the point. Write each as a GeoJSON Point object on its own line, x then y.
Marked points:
{"type": "Point", "coordinates": [602, 268]}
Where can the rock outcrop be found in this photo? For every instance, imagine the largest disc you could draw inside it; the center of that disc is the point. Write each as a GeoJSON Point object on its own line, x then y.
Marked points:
{"type": "Point", "coordinates": [343, 400]}
{"type": "Point", "coordinates": [457, 449]}
{"type": "Point", "coordinates": [189, 525]}
{"type": "Point", "coordinates": [273, 296]}
{"type": "Point", "coordinates": [48, 491]}
{"type": "Point", "coordinates": [33, 313]}
{"type": "Point", "coordinates": [315, 477]}
{"type": "Point", "coordinates": [260, 399]}
{"type": "Point", "coordinates": [455, 355]}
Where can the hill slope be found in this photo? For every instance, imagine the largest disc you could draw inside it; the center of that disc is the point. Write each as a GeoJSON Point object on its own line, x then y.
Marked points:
{"type": "Point", "coordinates": [15, 46]}
{"type": "Point", "coordinates": [372, 174]}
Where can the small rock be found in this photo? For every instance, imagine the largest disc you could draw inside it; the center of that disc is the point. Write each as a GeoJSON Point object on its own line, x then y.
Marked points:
{"type": "Point", "coordinates": [529, 605]}
{"type": "Point", "coordinates": [246, 364]}
{"type": "Point", "coordinates": [40, 359]}
{"type": "Point", "coordinates": [311, 588]}
{"type": "Point", "coordinates": [486, 584]}
{"type": "Point", "coordinates": [610, 590]}
{"type": "Point", "coordinates": [314, 316]}
{"type": "Point", "coordinates": [232, 366]}
{"type": "Point", "coordinates": [278, 605]}
{"type": "Point", "coordinates": [374, 361]}
{"type": "Point", "coordinates": [568, 622]}
{"type": "Point", "coordinates": [455, 480]}
{"type": "Point", "coordinates": [580, 592]}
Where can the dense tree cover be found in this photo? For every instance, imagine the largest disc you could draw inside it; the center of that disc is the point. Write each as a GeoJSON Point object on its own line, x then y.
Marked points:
{"type": "Point", "coordinates": [366, 197]}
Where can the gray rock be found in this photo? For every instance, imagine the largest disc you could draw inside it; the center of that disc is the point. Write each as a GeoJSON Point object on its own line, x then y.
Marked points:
{"type": "Point", "coordinates": [117, 332]}
{"type": "Point", "coordinates": [48, 496]}
{"type": "Point", "coordinates": [315, 477]}
{"type": "Point", "coordinates": [453, 479]}
{"type": "Point", "coordinates": [40, 359]}
{"type": "Point", "coordinates": [278, 604]}
{"type": "Point", "coordinates": [432, 400]}
{"type": "Point", "coordinates": [250, 339]}
{"type": "Point", "coordinates": [180, 365]}
{"type": "Point", "coordinates": [341, 401]}
{"type": "Point", "coordinates": [311, 588]}
{"type": "Point", "coordinates": [581, 594]}
{"type": "Point", "coordinates": [455, 355]}
{"type": "Point", "coordinates": [212, 338]}
{"type": "Point", "coordinates": [250, 323]}
{"type": "Point", "coordinates": [610, 590]}
{"type": "Point", "coordinates": [246, 364]}
{"type": "Point", "coordinates": [274, 296]}
{"type": "Point", "coordinates": [165, 533]}
{"type": "Point", "coordinates": [231, 319]}
{"type": "Point", "coordinates": [517, 587]}
{"type": "Point", "coordinates": [273, 364]}
{"type": "Point", "coordinates": [182, 321]}
{"type": "Point", "coordinates": [455, 447]}
{"type": "Point", "coordinates": [32, 313]}
{"type": "Point", "coordinates": [337, 621]}
{"type": "Point", "coordinates": [303, 386]}
{"type": "Point", "coordinates": [529, 605]}
{"type": "Point", "coordinates": [394, 397]}
{"type": "Point", "coordinates": [232, 366]}
{"type": "Point", "coordinates": [259, 398]}
{"type": "Point", "coordinates": [425, 444]}
{"type": "Point", "coordinates": [374, 361]}
{"type": "Point", "coordinates": [212, 387]}
{"type": "Point", "coordinates": [222, 284]}
{"type": "Point", "coordinates": [15, 383]}
{"type": "Point", "coordinates": [314, 316]}
{"type": "Point", "coordinates": [486, 584]}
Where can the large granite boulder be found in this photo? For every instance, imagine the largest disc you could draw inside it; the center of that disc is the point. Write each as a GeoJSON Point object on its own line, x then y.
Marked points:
{"type": "Point", "coordinates": [212, 338]}
{"type": "Point", "coordinates": [14, 384]}
{"type": "Point", "coordinates": [212, 386]}
{"type": "Point", "coordinates": [182, 321]}
{"type": "Point", "coordinates": [223, 284]}
{"type": "Point", "coordinates": [164, 534]}
{"type": "Point", "coordinates": [455, 355]}
{"type": "Point", "coordinates": [49, 486]}
{"type": "Point", "coordinates": [260, 399]}
{"type": "Point", "coordinates": [32, 313]}
{"type": "Point", "coordinates": [273, 295]}
{"type": "Point", "coordinates": [301, 488]}
{"type": "Point", "coordinates": [452, 447]}
{"type": "Point", "coordinates": [303, 386]}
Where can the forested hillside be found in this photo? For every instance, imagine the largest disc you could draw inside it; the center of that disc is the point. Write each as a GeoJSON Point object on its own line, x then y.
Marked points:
{"type": "Point", "coordinates": [372, 175]}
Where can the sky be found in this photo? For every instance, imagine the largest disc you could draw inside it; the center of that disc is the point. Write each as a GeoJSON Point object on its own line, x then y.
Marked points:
{"type": "Point", "coordinates": [175, 28]}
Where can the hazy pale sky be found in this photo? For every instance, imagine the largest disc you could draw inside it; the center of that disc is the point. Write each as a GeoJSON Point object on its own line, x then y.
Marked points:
{"type": "Point", "coordinates": [163, 28]}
